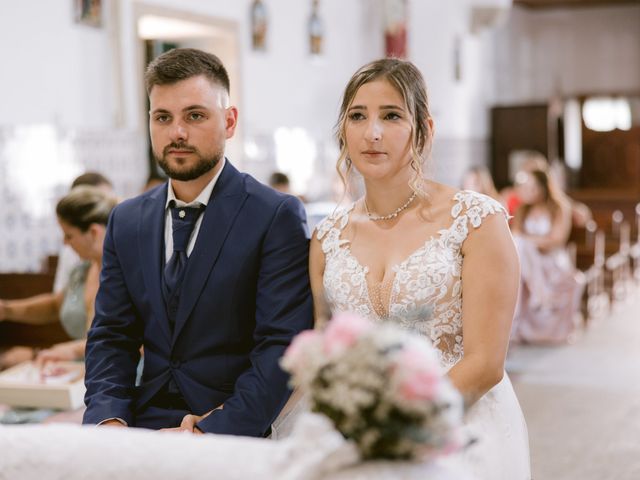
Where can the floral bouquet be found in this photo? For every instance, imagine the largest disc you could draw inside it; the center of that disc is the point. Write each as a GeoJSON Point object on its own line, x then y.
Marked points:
{"type": "Point", "coordinates": [381, 386]}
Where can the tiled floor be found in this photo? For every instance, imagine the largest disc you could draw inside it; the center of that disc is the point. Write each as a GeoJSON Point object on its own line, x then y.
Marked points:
{"type": "Point", "coordinates": [582, 401]}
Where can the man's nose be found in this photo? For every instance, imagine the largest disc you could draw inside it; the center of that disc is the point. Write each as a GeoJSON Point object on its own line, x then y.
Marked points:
{"type": "Point", "coordinates": [178, 131]}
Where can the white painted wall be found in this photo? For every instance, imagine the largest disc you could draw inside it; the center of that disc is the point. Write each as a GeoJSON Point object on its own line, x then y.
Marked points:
{"type": "Point", "coordinates": [567, 52]}
{"type": "Point", "coordinates": [459, 107]}
{"type": "Point", "coordinates": [53, 70]}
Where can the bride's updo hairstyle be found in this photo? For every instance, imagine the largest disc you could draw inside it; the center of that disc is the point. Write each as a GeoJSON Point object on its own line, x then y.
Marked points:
{"type": "Point", "coordinates": [408, 81]}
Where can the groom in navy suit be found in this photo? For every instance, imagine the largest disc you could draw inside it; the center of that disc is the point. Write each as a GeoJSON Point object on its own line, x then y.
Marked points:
{"type": "Point", "coordinates": [207, 273]}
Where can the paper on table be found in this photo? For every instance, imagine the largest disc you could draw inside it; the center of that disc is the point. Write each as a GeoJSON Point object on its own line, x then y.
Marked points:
{"type": "Point", "coordinates": [54, 374]}
{"type": "Point", "coordinates": [59, 385]}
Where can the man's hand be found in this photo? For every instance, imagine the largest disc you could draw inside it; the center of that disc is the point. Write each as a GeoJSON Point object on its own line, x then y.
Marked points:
{"type": "Point", "coordinates": [189, 421]}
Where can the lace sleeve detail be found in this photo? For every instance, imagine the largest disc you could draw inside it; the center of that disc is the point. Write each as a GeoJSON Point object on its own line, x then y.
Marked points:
{"type": "Point", "coordinates": [328, 230]}
{"type": "Point", "coordinates": [471, 208]}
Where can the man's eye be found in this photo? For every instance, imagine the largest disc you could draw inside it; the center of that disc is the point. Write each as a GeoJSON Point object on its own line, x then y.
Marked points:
{"type": "Point", "coordinates": [195, 116]}
{"type": "Point", "coordinates": [162, 118]}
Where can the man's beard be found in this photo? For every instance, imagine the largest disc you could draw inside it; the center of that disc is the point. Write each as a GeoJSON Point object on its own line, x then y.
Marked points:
{"type": "Point", "coordinates": [202, 166]}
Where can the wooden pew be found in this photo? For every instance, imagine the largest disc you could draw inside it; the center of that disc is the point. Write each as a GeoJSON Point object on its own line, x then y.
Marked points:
{"type": "Point", "coordinates": [23, 285]}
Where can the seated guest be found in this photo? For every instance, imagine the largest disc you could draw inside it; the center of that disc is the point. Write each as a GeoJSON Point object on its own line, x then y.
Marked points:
{"type": "Point", "coordinates": [153, 181]}
{"type": "Point", "coordinates": [67, 258]}
{"type": "Point", "coordinates": [478, 179]}
{"type": "Point", "coordinates": [550, 287]}
{"type": "Point", "coordinates": [82, 215]}
{"type": "Point", "coordinates": [280, 181]}
{"type": "Point", "coordinates": [531, 160]}
{"type": "Point", "coordinates": [580, 213]}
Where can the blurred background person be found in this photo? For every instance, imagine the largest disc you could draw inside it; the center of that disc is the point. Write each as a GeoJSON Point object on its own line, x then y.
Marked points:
{"type": "Point", "coordinates": [68, 259]}
{"type": "Point", "coordinates": [551, 288]}
{"type": "Point", "coordinates": [82, 216]}
{"type": "Point", "coordinates": [152, 182]}
{"type": "Point", "coordinates": [478, 179]}
{"type": "Point", "coordinates": [280, 181]}
{"type": "Point", "coordinates": [530, 160]}
{"type": "Point", "coordinates": [581, 214]}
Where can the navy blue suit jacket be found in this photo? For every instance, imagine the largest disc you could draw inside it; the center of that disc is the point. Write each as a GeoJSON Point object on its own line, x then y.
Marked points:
{"type": "Point", "coordinates": [244, 296]}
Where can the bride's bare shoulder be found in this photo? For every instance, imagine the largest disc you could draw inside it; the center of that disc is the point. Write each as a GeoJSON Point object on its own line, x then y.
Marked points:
{"type": "Point", "coordinates": [439, 196]}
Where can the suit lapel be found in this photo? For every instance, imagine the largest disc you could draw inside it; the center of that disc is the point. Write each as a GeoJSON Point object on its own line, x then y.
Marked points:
{"type": "Point", "coordinates": [226, 201]}
{"type": "Point", "coordinates": [151, 248]}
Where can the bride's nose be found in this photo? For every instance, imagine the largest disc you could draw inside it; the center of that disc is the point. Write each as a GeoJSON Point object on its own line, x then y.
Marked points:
{"type": "Point", "coordinates": [373, 133]}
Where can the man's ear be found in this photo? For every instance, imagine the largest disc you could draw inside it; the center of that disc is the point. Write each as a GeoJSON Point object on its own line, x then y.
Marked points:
{"type": "Point", "coordinates": [231, 121]}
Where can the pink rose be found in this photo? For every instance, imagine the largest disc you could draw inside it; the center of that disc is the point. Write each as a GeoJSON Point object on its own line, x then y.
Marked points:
{"type": "Point", "coordinates": [343, 332]}
{"type": "Point", "coordinates": [419, 372]}
{"type": "Point", "coordinates": [419, 386]}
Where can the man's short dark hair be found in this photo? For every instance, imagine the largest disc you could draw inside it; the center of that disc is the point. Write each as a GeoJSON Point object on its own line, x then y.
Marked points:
{"type": "Point", "coordinates": [183, 63]}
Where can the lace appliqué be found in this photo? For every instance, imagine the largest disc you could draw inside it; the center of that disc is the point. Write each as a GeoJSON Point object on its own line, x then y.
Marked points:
{"type": "Point", "coordinates": [426, 293]}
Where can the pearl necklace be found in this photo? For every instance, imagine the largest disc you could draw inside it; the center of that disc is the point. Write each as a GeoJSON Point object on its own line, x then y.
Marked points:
{"type": "Point", "coordinates": [394, 214]}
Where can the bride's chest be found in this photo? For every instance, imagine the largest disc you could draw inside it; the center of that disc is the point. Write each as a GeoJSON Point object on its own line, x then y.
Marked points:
{"type": "Point", "coordinates": [429, 273]}
{"type": "Point", "coordinates": [380, 254]}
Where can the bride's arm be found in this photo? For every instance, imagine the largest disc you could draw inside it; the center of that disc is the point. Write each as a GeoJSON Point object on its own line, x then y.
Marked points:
{"type": "Point", "coordinates": [490, 280]}
{"type": "Point", "coordinates": [321, 311]}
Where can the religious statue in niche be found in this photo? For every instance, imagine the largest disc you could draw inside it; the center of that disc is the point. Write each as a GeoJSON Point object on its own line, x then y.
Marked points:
{"type": "Point", "coordinates": [258, 25]}
{"type": "Point", "coordinates": [395, 28]}
{"type": "Point", "coordinates": [88, 12]}
{"type": "Point", "coordinates": [316, 29]}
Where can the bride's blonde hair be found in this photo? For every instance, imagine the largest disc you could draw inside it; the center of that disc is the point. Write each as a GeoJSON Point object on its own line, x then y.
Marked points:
{"type": "Point", "coordinates": [405, 77]}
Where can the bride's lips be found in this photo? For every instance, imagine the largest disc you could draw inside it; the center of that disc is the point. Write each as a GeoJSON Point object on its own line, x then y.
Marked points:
{"type": "Point", "coordinates": [372, 152]}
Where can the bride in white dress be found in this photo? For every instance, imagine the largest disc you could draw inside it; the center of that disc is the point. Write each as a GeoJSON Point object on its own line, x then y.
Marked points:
{"type": "Point", "coordinates": [436, 260]}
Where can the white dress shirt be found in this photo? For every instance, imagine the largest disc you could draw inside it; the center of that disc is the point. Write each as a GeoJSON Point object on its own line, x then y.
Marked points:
{"type": "Point", "coordinates": [201, 199]}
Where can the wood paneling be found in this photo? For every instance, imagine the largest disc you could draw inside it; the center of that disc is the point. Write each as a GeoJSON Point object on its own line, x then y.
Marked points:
{"type": "Point", "coordinates": [522, 127]}
{"type": "Point", "coordinates": [611, 161]}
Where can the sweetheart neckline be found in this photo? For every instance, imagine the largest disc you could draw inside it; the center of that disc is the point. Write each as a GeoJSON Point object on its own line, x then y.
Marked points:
{"type": "Point", "coordinates": [346, 245]}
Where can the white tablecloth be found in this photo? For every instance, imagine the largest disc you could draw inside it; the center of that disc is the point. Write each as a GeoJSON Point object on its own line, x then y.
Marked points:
{"type": "Point", "coordinates": [313, 451]}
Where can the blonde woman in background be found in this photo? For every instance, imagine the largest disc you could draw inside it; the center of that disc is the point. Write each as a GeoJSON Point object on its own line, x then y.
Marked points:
{"type": "Point", "coordinates": [82, 216]}
{"type": "Point", "coordinates": [551, 288]}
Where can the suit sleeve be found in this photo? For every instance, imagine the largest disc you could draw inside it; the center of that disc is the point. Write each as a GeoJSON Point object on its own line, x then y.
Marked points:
{"type": "Point", "coordinates": [113, 341]}
{"type": "Point", "coordinates": [283, 309]}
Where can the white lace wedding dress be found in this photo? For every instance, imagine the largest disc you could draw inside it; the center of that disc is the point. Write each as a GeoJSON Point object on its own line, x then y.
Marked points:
{"type": "Point", "coordinates": [426, 296]}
